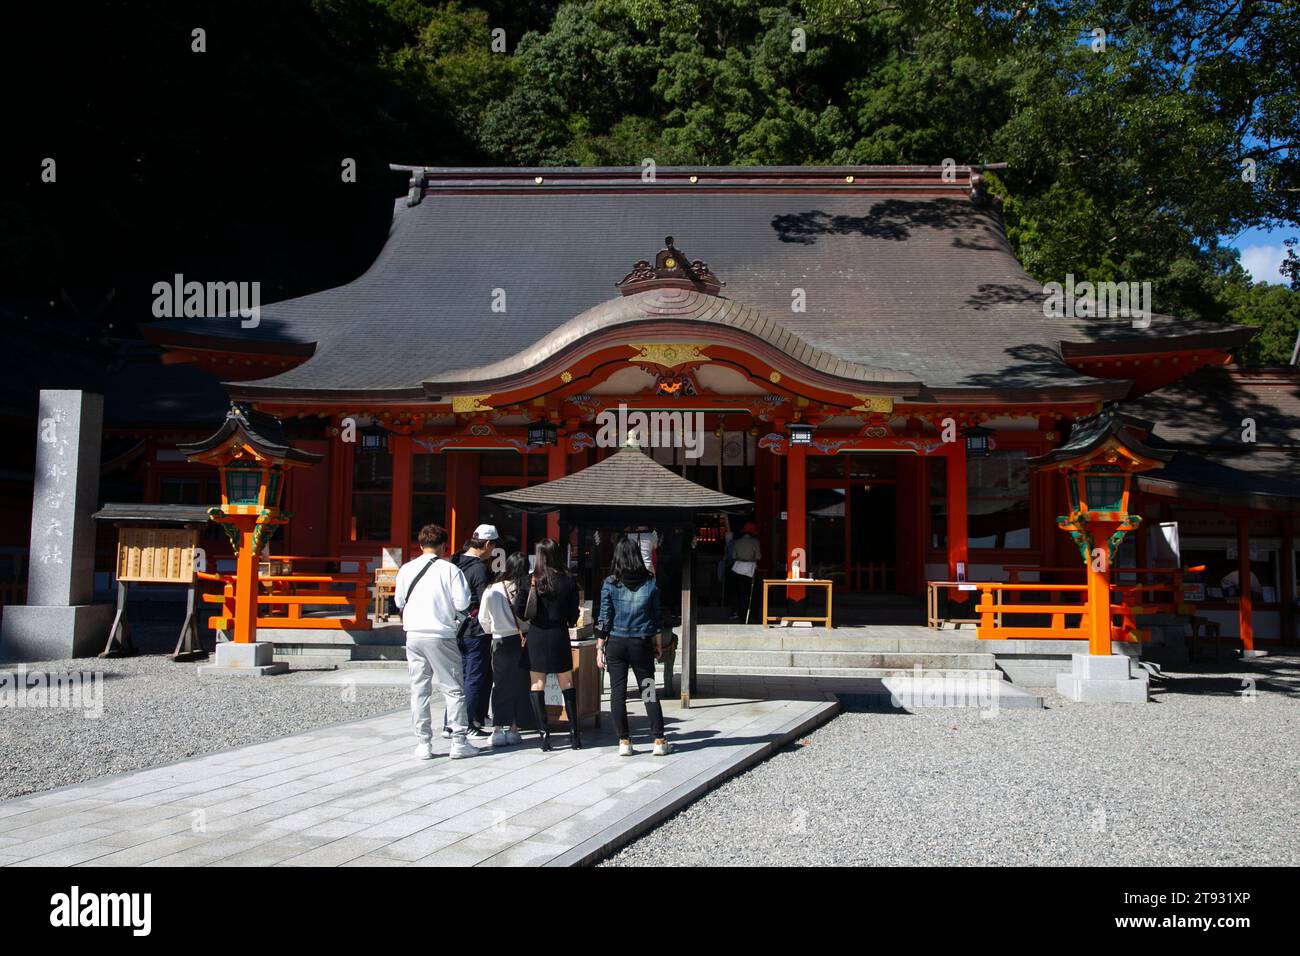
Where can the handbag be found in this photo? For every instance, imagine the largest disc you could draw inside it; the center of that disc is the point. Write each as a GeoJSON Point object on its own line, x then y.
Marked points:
{"type": "Point", "coordinates": [521, 628]}
{"type": "Point", "coordinates": [530, 605]}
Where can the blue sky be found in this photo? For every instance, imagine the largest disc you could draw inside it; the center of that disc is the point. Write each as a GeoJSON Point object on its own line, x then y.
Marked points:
{"type": "Point", "coordinates": [1262, 251]}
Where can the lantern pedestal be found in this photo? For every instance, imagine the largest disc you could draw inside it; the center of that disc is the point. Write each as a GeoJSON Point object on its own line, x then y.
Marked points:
{"type": "Point", "coordinates": [1103, 679]}
{"type": "Point", "coordinates": [244, 660]}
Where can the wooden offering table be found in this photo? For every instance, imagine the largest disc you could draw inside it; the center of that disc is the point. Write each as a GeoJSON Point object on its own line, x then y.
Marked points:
{"type": "Point", "coordinates": [385, 587]}
{"type": "Point", "coordinates": [933, 619]}
{"type": "Point", "coordinates": [769, 583]}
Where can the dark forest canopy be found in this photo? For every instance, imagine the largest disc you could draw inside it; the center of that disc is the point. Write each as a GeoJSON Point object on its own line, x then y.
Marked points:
{"type": "Point", "coordinates": [1125, 163]}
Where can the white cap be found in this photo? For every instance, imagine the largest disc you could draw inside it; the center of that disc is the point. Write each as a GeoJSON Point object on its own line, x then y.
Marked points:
{"type": "Point", "coordinates": [486, 532]}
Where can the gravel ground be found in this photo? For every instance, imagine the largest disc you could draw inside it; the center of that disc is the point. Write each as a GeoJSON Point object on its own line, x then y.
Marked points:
{"type": "Point", "coordinates": [1202, 776]}
{"type": "Point", "coordinates": [156, 711]}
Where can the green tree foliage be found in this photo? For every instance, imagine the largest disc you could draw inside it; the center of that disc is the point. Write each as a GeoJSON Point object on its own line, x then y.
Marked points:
{"type": "Point", "coordinates": [1126, 160]}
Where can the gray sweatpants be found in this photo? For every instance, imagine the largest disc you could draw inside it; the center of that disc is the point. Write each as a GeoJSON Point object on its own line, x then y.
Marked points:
{"type": "Point", "coordinates": [435, 662]}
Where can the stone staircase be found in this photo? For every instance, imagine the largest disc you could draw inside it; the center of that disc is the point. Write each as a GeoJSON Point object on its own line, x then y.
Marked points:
{"type": "Point", "coordinates": [814, 653]}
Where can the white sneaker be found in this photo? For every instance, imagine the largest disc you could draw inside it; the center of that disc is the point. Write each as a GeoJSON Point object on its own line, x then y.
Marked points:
{"type": "Point", "coordinates": [423, 752]}
{"type": "Point", "coordinates": [446, 733]}
{"type": "Point", "coordinates": [460, 747]}
{"type": "Point", "coordinates": [625, 748]}
{"type": "Point", "coordinates": [513, 738]}
{"type": "Point", "coordinates": [499, 738]}
{"type": "Point", "coordinates": [662, 748]}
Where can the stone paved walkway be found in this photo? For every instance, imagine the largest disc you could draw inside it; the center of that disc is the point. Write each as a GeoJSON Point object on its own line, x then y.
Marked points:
{"type": "Point", "coordinates": [353, 795]}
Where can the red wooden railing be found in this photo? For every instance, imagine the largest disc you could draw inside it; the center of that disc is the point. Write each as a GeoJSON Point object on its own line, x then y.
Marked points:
{"type": "Point", "coordinates": [284, 597]}
{"type": "Point", "coordinates": [1065, 605]}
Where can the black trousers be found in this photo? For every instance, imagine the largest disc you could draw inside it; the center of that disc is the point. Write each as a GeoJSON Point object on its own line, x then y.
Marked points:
{"type": "Point", "coordinates": [509, 684]}
{"type": "Point", "coordinates": [476, 652]}
{"type": "Point", "coordinates": [637, 653]}
{"type": "Point", "coordinates": [743, 592]}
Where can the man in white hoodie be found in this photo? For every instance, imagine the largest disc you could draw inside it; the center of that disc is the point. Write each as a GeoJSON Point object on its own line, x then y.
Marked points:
{"type": "Point", "coordinates": [433, 596]}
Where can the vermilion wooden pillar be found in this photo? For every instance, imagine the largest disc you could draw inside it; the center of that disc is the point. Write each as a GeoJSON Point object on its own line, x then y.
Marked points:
{"type": "Point", "coordinates": [244, 626]}
{"type": "Point", "coordinates": [765, 463]}
{"type": "Point", "coordinates": [796, 507]}
{"type": "Point", "coordinates": [1099, 617]}
{"type": "Point", "coordinates": [1246, 603]}
{"type": "Point", "coordinates": [556, 460]}
{"type": "Point", "coordinates": [957, 540]}
{"type": "Point", "coordinates": [1287, 634]}
{"type": "Point", "coordinates": [462, 495]}
{"type": "Point", "coordinates": [340, 495]}
{"type": "Point", "coordinates": [399, 513]}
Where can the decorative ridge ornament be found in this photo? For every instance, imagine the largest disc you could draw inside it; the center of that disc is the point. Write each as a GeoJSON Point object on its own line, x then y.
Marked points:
{"type": "Point", "coordinates": [670, 355]}
{"type": "Point", "coordinates": [671, 270]}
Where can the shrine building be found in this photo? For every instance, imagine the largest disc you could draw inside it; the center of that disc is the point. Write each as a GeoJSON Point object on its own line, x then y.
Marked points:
{"type": "Point", "coordinates": [874, 368]}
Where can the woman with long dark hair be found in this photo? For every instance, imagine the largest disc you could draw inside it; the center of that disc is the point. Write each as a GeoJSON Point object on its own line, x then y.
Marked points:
{"type": "Point", "coordinates": [501, 614]}
{"type": "Point", "coordinates": [628, 636]}
{"type": "Point", "coordinates": [551, 608]}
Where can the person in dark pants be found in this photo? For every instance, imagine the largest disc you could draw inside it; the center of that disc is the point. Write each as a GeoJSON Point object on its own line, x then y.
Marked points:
{"type": "Point", "coordinates": [555, 603]}
{"type": "Point", "coordinates": [475, 644]}
{"type": "Point", "coordinates": [672, 553]}
{"type": "Point", "coordinates": [628, 636]}
{"type": "Point", "coordinates": [742, 576]}
{"type": "Point", "coordinates": [501, 614]}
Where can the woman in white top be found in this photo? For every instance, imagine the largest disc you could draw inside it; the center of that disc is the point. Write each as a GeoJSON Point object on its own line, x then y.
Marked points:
{"type": "Point", "coordinates": [501, 614]}
{"type": "Point", "coordinates": [648, 541]}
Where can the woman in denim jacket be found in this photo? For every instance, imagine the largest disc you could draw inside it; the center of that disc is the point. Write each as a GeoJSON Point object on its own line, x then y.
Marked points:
{"type": "Point", "coordinates": [628, 636]}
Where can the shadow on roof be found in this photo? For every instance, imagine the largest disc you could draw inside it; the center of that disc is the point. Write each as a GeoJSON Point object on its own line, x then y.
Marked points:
{"type": "Point", "coordinates": [892, 219]}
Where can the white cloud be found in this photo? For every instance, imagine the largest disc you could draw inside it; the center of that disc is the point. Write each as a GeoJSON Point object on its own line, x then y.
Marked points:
{"type": "Point", "coordinates": [1263, 262]}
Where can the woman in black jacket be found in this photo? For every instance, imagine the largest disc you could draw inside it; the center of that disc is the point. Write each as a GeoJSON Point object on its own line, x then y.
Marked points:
{"type": "Point", "coordinates": [553, 598]}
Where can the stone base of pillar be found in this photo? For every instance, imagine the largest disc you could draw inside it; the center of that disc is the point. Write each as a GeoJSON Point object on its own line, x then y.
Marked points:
{"type": "Point", "coordinates": [1103, 679]}
{"type": "Point", "coordinates": [34, 632]}
{"type": "Point", "coordinates": [1246, 655]}
{"type": "Point", "coordinates": [244, 660]}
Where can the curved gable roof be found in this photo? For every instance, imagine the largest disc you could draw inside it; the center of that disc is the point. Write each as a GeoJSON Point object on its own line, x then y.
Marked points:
{"type": "Point", "coordinates": [911, 287]}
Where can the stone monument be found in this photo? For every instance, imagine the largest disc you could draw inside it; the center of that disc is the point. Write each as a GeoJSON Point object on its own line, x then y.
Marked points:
{"type": "Point", "coordinates": [59, 620]}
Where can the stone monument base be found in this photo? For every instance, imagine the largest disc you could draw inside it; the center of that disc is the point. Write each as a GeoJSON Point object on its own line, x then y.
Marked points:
{"type": "Point", "coordinates": [1103, 679]}
{"type": "Point", "coordinates": [244, 660]}
{"type": "Point", "coordinates": [33, 632]}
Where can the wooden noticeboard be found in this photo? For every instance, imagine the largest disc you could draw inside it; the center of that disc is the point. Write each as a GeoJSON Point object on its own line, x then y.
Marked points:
{"type": "Point", "coordinates": [156, 555]}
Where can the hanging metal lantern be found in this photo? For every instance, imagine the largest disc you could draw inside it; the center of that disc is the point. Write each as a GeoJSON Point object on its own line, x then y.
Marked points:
{"type": "Point", "coordinates": [800, 434]}
{"type": "Point", "coordinates": [543, 433]}
{"type": "Point", "coordinates": [979, 441]}
{"type": "Point", "coordinates": [372, 440]}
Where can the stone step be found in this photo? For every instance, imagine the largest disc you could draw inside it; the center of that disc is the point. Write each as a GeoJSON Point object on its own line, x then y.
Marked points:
{"type": "Point", "coordinates": [788, 641]}
{"type": "Point", "coordinates": [368, 665]}
{"type": "Point", "coordinates": [860, 672]}
{"type": "Point", "coordinates": [741, 657]}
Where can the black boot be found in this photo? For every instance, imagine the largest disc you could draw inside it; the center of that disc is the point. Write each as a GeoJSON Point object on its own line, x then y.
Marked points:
{"type": "Point", "coordinates": [571, 709]}
{"type": "Point", "coordinates": [538, 697]}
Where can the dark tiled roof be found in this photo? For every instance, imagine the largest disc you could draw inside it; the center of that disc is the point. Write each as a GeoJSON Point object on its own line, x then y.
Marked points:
{"type": "Point", "coordinates": [1201, 417]}
{"type": "Point", "coordinates": [153, 514]}
{"type": "Point", "coordinates": [262, 432]}
{"type": "Point", "coordinates": [907, 287]}
{"type": "Point", "coordinates": [626, 486]}
{"type": "Point", "coordinates": [1089, 433]}
{"type": "Point", "coordinates": [1256, 479]}
{"type": "Point", "coordinates": [1206, 409]}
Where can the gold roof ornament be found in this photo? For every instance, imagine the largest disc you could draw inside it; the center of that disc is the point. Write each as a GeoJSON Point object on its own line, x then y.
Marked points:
{"type": "Point", "coordinates": [464, 404]}
{"type": "Point", "coordinates": [874, 403]}
{"type": "Point", "coordinates": [669, 354]}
